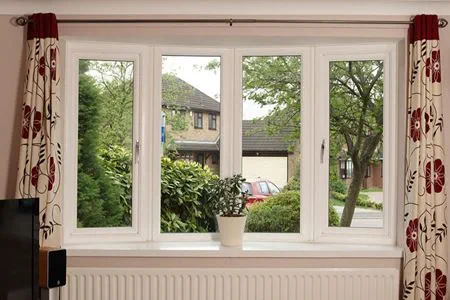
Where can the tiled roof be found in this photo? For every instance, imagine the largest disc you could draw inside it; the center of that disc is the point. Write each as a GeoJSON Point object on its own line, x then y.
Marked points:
{"type": "Point", "coordinates": [189, 97]}
{"type": "Point", "coordinates": [256, 138]}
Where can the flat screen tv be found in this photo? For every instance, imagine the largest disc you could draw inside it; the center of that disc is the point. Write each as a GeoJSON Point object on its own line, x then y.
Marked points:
{"type": "Point", "coordinates": [19, 249]}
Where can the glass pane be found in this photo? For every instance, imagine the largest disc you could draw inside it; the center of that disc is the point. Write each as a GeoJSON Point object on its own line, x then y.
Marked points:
{"type": "Point", "coordinates": [190, 123]}
{"type": "Point", "coordinates": [356, 144]}
{"type": "Point", "coordinates": [271, 142]}
{"type": "Point", "coordinates": [105, 139]}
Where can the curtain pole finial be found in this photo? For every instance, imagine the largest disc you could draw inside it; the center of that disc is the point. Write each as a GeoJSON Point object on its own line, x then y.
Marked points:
{"type": "Point", "coordinates": [443, 23]}
{"type": "Point", "coordinates": [22, 20]}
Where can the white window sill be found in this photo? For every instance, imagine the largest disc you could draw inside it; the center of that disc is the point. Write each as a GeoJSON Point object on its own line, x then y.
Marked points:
{"type": "Point", "coordinates": [249, 249]}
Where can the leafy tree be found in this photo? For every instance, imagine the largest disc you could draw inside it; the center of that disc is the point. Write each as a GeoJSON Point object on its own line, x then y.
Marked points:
{"type": "Point", "coordinates": [98, 203]}
{"type": "Point", "coordinates": [356, 114]}
{"type": "Point", "coordinates": [115, 81]}
{"type": "Point", "coordinates": [356, 101]}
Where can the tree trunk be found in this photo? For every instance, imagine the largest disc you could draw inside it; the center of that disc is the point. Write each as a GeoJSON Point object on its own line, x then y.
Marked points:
{"type": "Point", "coordinates": [352, 195]}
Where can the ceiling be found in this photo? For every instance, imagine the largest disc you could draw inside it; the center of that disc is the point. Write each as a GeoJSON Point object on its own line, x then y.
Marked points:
{"type": "Point", "coordinates": [227, 7]}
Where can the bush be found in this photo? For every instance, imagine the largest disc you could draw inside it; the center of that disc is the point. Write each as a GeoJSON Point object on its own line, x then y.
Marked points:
{"type": "Point", "coordinates": [362, 201]}
{"type": "Point", "coordinates": [337, 184]}
{"type": "Point", "coordinates": [333, 217]}
{"type": "Point", "coordinates": [280, 213]}
{"type": "Point", "coordinates": [118, 166]}
{"type": "Point", "coordinates": [293, 184]}
{"type": "Point", "coordinates": [185, 196]}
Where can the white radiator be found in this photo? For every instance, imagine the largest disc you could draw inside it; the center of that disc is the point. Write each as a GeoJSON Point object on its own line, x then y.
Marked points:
{"type": "Point", "coordinates": [231, 284]}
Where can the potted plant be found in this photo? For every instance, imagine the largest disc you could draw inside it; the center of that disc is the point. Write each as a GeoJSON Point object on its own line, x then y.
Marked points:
{"type": "Point", "coordinates": [231, 206]}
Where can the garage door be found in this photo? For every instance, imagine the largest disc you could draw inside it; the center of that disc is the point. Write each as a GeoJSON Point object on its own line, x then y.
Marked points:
{"type": "Point", "coordinates": [271, 168]}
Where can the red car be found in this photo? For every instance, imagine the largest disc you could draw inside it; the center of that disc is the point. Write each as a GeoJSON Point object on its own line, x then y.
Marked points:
{"type": "Point", "coordinates": [259, 190]}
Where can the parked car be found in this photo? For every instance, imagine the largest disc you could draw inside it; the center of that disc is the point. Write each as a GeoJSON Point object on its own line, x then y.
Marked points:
{"type": "Point", "coordinates": [259, 190]}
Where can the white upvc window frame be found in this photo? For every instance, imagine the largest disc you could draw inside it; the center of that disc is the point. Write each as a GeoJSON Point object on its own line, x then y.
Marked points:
{"type": "Point", "coordinates": [307, 133]}
{"type": "Point", "coordinates": [147, 110]}
{"type": "Point", "coordinates": [141, 56]}
{"type": "Point", "coordinates": [322, 232]}
{"type": "Point", "coordinates": [226, 131]}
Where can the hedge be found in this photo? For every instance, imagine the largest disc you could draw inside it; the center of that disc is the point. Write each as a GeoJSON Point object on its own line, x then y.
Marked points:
{"type": "Point", "coordinates": [281, 213]}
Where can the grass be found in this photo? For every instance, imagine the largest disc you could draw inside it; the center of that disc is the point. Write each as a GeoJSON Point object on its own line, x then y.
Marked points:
{"type": "Point", "coordinates": [371, 190]}
{"type": "Point", "coordinates": [336, 202]}
{"type": "Point", "coordinates": [363, 201]}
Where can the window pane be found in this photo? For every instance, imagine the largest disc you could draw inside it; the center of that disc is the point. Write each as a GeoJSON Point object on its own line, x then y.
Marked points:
{"type": "Point", "coordinates": [190, 161]}
{"type": "Point", "coordinates": [271, 141]}
{"type": "Point", "coordinates": [105, 139]}
{"type": "Point", "coordinates": [356, 143]}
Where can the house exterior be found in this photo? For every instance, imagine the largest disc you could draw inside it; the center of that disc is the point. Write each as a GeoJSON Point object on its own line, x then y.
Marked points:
{"type": "Point", "coordinates": [264, 156]}
{"type": "Point", "coordinates": [373, 177]}
{"type": "Point", "coordinates": [199, 139]}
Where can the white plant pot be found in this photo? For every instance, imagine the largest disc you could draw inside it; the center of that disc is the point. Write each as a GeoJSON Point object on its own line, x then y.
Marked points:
{"type": "Point", "coordinates": [231, 230]}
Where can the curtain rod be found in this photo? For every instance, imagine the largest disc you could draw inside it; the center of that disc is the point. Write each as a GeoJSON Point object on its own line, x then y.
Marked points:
{"type": "Point", "coordinates": [23, 20]}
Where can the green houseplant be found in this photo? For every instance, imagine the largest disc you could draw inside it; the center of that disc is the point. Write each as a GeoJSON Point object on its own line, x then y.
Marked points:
{"type": "Point", "coordinates": [231, 208]}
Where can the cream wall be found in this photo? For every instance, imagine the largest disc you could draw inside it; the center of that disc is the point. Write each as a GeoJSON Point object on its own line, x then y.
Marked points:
{"type": "Point", "coordinates": [12, 57]}
{"type": "Point", "coordinates": [11, 78]}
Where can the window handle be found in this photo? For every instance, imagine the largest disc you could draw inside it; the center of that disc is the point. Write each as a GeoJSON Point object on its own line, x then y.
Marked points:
{"type": "Point", "coordinates": [322, 151]}
{"type": "Point", "coordinates": [137, 148]}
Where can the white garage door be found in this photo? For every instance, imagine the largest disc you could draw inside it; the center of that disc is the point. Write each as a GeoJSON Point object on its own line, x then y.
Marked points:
{"type": "Point", "coordinates": [271, 168]}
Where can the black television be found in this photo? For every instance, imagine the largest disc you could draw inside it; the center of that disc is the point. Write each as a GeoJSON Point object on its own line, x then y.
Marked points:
{"type": "Point", "coordinates": [19, 249]}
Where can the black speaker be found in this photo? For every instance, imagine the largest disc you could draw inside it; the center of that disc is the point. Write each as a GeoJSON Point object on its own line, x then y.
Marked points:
{"type": "Point", "coordinates": [52, 267]}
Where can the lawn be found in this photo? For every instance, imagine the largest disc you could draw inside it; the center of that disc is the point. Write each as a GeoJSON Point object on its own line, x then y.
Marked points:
{"type": "Point", "coordinates": [372, 190]}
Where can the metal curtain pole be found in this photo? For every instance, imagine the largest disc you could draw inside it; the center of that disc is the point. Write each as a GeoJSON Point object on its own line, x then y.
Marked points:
{"type": "Point", "coordinates": [23, 20]}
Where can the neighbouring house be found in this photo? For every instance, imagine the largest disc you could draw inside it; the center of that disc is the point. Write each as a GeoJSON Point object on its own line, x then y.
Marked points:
{"type": "Point", "coordinates": [198, 138]}
{"type": "Point", "coordinates": [264, 156]}
{"type": "Point", "coordinates": [267, 155]}
{"type": "Point", "coordinates": [373, 177]}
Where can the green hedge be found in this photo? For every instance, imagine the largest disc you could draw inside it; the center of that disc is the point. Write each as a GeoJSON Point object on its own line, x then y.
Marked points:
{"type": "Point", "coordinates": [362, 201]}
{"type": "Point", "coordinates": [280, 213]}
{"type": "Point", "coordinates": [185, 194]}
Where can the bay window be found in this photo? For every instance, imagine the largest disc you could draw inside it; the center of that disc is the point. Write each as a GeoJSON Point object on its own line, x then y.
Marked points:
{"type": "Point", "coordinates": [304, 125]}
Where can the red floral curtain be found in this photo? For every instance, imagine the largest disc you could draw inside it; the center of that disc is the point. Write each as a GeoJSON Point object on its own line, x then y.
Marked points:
{"type": "Point", "coordinates": [40, 162]}
{"type": "Point", "coordinates": [425, 248]}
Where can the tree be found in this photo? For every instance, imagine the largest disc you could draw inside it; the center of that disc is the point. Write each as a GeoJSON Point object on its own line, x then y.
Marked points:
{"type": "Point", "coordinates": [356, 114]}
{"type": "Point", "coordinates": [98, 201]}
{"type": "Point", "coordinates": [115, 81]}
{"type": "Point", "coordinates": [356, 108]}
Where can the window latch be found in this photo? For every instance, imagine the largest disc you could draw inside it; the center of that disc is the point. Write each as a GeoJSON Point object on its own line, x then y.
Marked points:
{"type": "Point", "coordinates": [322, 151]}
{"type": "Point", "coordinates": [137, 148]}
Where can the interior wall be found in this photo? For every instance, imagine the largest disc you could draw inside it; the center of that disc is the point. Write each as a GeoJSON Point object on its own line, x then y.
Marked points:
{"type": "Point", "coordinates": [11, 85]}
{"type": "Point", "coordinates": [13, 48]}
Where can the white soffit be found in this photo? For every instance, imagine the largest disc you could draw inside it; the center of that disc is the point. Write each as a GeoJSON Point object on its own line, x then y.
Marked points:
{"type": "Point", "coordinates": [232, 8]}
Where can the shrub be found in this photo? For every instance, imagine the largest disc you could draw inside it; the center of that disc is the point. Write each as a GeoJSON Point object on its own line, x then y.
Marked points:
{"type": "Point", "coordinates": [280, 213]}
{"type": "Point", "coordinates": [337, 184]}
{"type": "Point", "coordinates": [185, 196]}
{"type": "Point", "coordinates": [362, 201]}
{"type": "Point", "coordinates": [117, 161]}
{"type": "Point", "coordinates": [333, 217]}
{"type": "Point", "coordinates": [293, 184]}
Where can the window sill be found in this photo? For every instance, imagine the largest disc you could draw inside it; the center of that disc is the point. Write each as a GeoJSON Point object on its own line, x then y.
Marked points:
{"type": "Point", "coordinates": [249, 249]}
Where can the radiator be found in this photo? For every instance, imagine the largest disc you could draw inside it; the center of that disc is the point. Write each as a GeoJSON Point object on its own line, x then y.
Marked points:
{"type": "Point", "coordinates": [231, 284]}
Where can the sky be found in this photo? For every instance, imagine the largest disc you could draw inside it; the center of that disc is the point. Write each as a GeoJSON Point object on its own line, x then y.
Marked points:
{"type": "Point", "coordinates": [191, 69]}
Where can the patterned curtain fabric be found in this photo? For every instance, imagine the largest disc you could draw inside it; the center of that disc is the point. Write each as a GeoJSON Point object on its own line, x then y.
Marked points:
{"type": "Point", "coordinates": [425, 248]}
{"type": "Point", "coordinates": [40, 162]}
